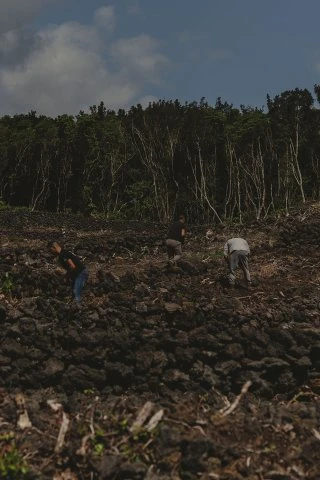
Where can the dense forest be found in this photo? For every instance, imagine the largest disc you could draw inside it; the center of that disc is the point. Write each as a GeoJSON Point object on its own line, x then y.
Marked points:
{"type": "Point", "coordinates": [213, 163]}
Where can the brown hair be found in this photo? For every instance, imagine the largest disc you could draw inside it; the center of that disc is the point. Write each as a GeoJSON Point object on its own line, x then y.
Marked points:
{"type": "Point", "coordinates": [53, 244]}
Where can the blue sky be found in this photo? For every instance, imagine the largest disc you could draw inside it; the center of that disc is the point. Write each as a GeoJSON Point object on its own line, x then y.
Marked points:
{"type": "Point", "coordinates": [60, 56]}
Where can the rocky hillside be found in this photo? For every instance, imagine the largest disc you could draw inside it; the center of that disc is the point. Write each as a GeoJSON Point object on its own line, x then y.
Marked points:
{"type": "Point", "coordinates": [161, 372]}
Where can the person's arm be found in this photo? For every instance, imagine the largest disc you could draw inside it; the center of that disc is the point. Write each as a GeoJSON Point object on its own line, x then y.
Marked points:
{"type": "Point", "coordinates": [226, 250]}
{"type": "Point", "coordinates": [183, 234]}
{"type": "Point", "coordinates": [71, 264]}
{"type": "Point", "coordinates": [60, 270]}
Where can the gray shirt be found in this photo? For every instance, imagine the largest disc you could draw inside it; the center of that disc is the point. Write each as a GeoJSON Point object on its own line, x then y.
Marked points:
{"type": "Point", "coordinates": [235, 244]}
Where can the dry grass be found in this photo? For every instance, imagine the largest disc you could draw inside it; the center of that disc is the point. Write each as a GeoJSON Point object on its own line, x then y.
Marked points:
{"type": "Point", "coordinates": [18, 242]}
{"type": "Point", "coordinates": [268, 270]}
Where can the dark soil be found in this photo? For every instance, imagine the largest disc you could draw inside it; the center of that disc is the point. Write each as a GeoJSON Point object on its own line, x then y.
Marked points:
{"type": "Point", "coordinates": [161, 372]}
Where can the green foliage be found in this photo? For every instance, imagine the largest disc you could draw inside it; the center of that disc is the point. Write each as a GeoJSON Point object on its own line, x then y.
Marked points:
{"type": "Point", "coordinates": [98, 449]}
{"type": "Point", "coordinates": [215, 254]}
{"type": "Point", "coordinates": [135, 448]}
{"type": "Point", "coordinates": [89, 391]}
{"type": "Point", "coordinates": [3, 205]}
{"type": "Point", "coordinates": [148, 163]}
{"type": "Point", "coordinates": [12, 464]}
{"type": "Point", "coordinates": [7, 283]}
{"type": "Point", "coordinates": [132, 445]}
{"type": "Point", "coordinates": [141, 206]}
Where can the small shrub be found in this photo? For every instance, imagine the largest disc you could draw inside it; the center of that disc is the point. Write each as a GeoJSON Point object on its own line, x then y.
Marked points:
{"type": "Point", "coordinates": [12, 464]}
{"type": "Point", "coordinates": [3, 205]}
{"type": "Point", "coordinates": [7, 283]}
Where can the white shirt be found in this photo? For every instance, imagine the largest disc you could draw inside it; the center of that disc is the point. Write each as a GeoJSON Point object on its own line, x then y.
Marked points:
{"type": "Point", "coordinates": [235, 244]}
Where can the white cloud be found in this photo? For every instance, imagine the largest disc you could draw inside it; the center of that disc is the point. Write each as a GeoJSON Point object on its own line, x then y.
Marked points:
{"type": "Point", "coordinates": [105, 18]}
{"type": "Point", "coordinates": [63, 69]}
{"type": "Point", "coordinates": [140, 56]}
{"type": "Point", "coordinates": [9, 41]}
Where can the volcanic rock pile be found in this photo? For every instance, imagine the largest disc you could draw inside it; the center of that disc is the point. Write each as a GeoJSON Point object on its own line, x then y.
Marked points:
{"type": "Point", "coordinates": [149, 330]}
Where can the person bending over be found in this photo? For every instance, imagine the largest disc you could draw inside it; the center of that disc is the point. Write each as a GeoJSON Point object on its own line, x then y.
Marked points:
{"type": "Point", "coordinates": [175, 239]}
{"type": "Point", "coordinates": [236, 253]}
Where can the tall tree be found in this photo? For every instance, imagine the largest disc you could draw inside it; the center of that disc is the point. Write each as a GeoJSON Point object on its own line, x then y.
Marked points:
{"type": "Point", "coordinates": [289, 113]}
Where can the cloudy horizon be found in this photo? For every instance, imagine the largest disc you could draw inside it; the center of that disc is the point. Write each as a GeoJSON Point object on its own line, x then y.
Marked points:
{"type": "Point", "coordinates": [56, 62]}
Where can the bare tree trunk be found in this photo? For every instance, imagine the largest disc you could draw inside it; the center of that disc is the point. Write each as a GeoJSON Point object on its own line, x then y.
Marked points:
{"type": "Point", "coordinates": [158, 159]}
{"type": "Point", "coordinates": [201, 177]}
{"type": "Point", "coordinates": [316, 171]}
{"type": "Point", "coordinates": [40, 190]}
{"type": "Point", "coordinates": [294, 158]}
{"type": "Point", "coordinates": [253, 169]}
{"type": "Point", "coordinates": [233, 193]}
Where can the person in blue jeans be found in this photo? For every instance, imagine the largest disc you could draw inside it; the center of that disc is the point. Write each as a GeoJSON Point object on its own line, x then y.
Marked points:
{"type": "Point", "coordinates": [76, 270]}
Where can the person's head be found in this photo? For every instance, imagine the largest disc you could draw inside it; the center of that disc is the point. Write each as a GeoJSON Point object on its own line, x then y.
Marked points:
{"type": "Point", "coordinates": [182, 219]}
{"type": "Point", "coordinates": [54, 247]}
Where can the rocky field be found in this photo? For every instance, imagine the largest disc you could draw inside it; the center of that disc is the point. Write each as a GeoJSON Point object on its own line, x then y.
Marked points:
{"type": "Point", "coordinates": [161, 372]}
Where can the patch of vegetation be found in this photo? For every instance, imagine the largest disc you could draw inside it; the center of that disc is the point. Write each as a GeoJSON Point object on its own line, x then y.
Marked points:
{"type": "Point", "coordinates": [7, 283]}
{"type": "Point", "coordinates": [89, 392]}
{"type": "Point", "coordinates": [3, 205]}
{"type": "Point", "coordinates": [133, 446]}
{"type": "Point", "coordinates": [12, 464]}
{"type": "Point", "coordinates": [13, 209]}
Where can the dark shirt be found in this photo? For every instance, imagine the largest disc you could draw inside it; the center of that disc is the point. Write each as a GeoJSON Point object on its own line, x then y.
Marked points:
{"type": "Point", "coordinates": [174, 232]}
{"type": "Point", "coordinates": [63, 258]}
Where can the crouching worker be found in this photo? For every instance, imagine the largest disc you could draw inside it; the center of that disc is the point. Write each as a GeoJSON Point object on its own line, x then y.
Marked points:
{"type": "Point", "coordinates": [236, 252]}
{"type": "Point", "coordinates": [175, 240]}
{"type": "Point", "coordinates": [76, 271]}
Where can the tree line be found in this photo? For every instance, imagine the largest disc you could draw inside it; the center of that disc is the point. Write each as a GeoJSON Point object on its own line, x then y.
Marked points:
{"type": "Point", "coordinates": [213, 163]}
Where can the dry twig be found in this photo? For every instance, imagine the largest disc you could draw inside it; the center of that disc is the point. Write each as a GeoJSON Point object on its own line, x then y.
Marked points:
{"type": "Point", "coordinates": [62, 433]}
{"type": "Point", "coordinates": [154, 420]}
{"type": "Point", "coordinates": [142, 416]}
{"type": "Point", "coordinates": [84, 443]}
{"type": "Point", "coordinates": [23, 417]}
{"type": "Point", "coordinates": [226, 411]}
{"type": "Point", "coordinates": [57, 407]}
{"type": "Point", "coordinates": [316, 433]}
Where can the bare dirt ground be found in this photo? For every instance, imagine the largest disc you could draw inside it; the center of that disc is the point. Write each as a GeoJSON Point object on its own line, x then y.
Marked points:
{"type": "Point", "coordinates": [161, 373]}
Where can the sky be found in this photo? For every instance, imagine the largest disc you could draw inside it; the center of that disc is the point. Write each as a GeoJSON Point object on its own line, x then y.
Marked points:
{"type": "Point", "coordinates": [62, 56]}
